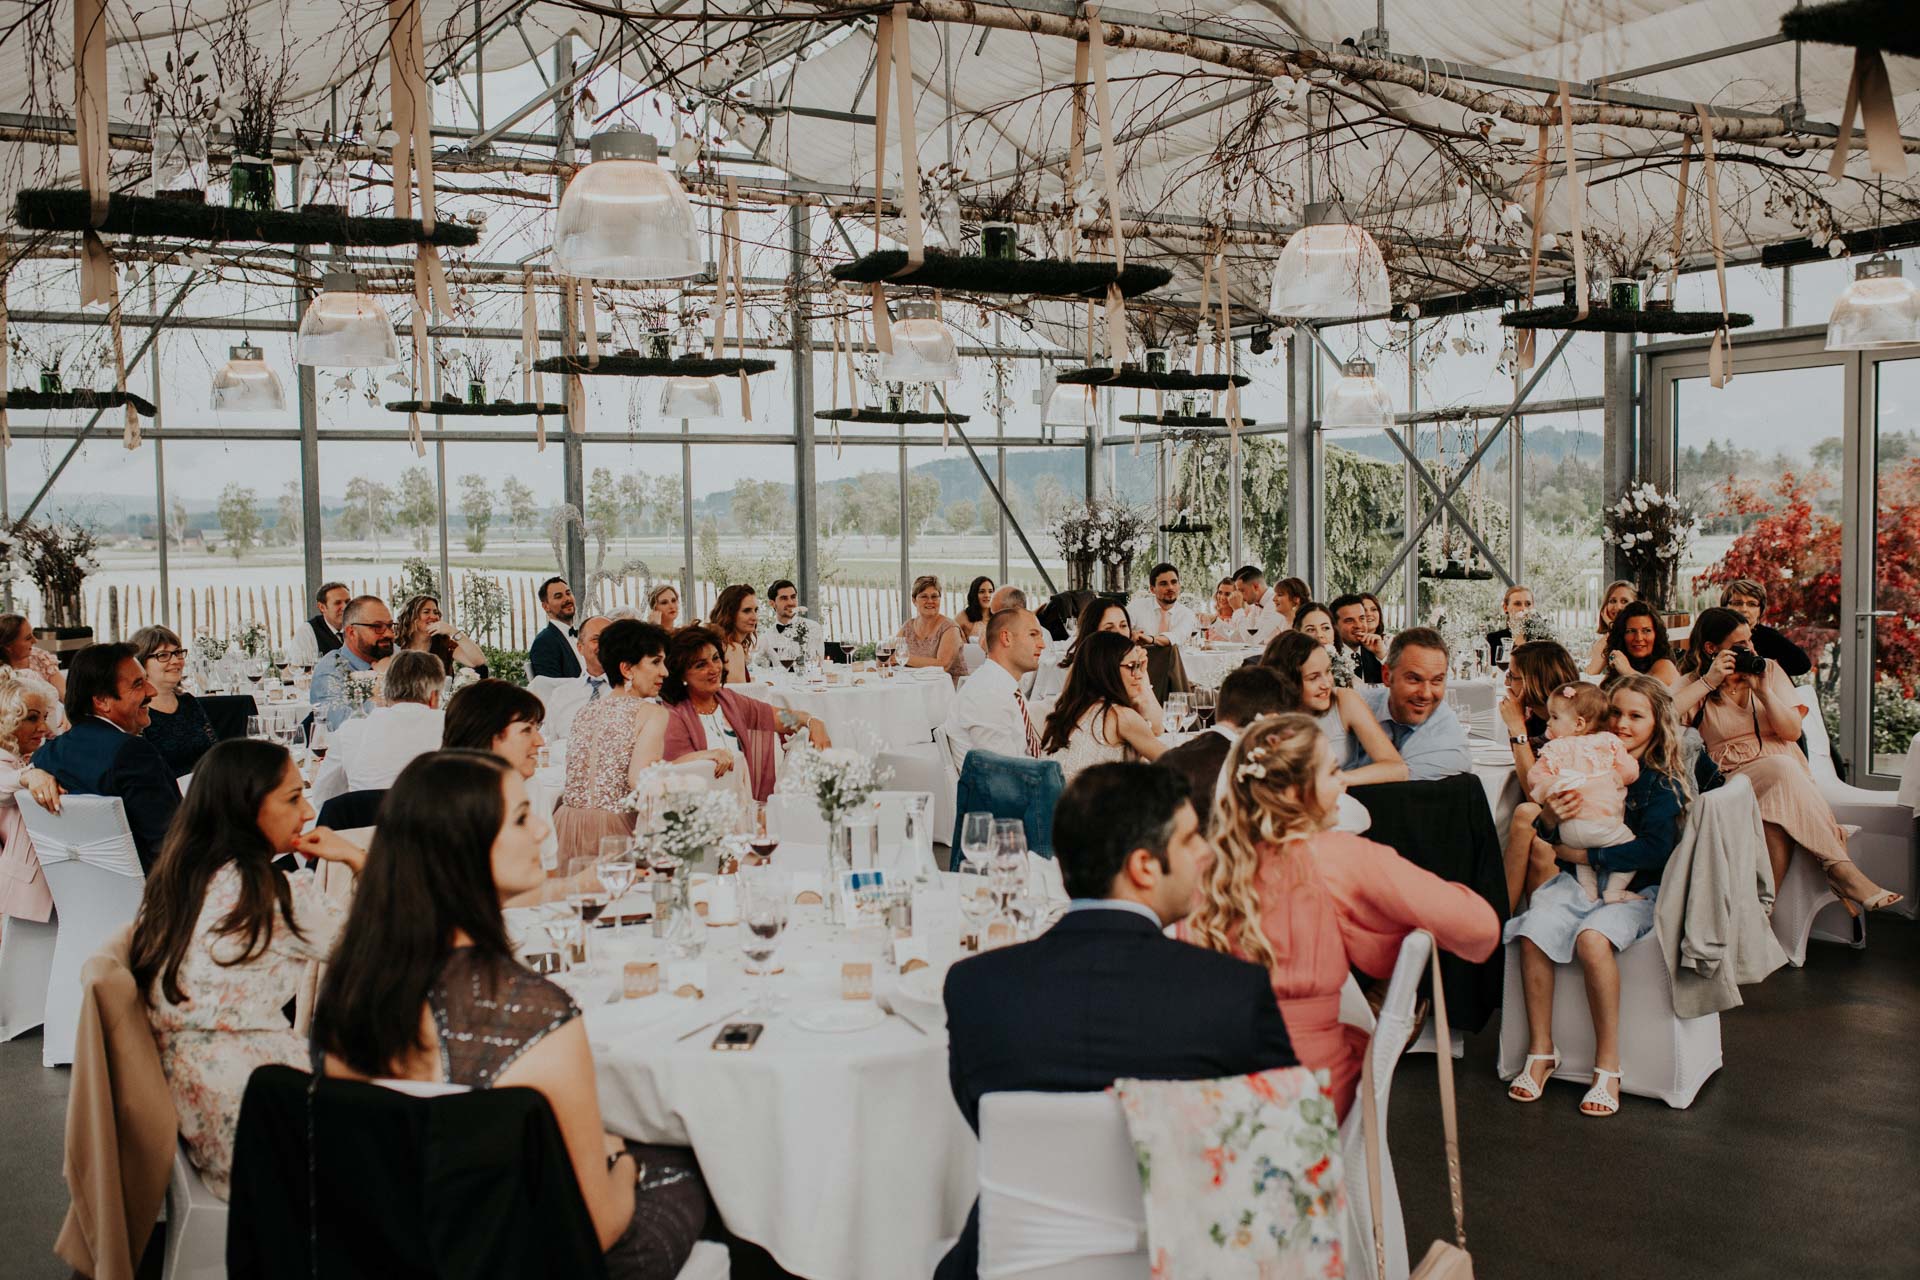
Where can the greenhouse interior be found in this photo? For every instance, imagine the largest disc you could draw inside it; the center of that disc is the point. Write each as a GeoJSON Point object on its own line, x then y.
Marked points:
{"type": "Point", "coordinates": [1578, 327]}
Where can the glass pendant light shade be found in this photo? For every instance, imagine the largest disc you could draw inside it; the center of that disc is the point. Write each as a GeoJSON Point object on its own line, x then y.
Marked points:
{"type": "Point", "coordinates": [246, 384]}
{"type": "Point", "coordinates": [923, 349]}
{"type": "Point", "coordinates": [1357, 402]}
{"type": "Point", "coordinates": [1881, 308]}
{"type": "Point", "coordinates": [1070, 405]}
{"type": "Point", "coordinates": [623, 217]}
{"type": "Point", "coordinates": [346, 327]}
{"type": "Point", "coordinates": [691, 398]}
{"type": "Point", "coordinates": [1330, 270]}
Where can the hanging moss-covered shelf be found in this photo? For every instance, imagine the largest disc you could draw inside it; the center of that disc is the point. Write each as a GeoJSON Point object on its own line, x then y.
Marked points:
{"type": "Point", "coordinates": [1184, 527]}
{"type": "Point", "coordinates": [22, 398]}
{"type": "Point", "coordinates": [634, 365]}
{"type": "Point", "coordinates": [971, 273]}
{"type": "Point", "coordinates": [1616, 320]}
{"type": "Point", "coordinates": [1885, 25]}
{"type": "Point", "coordinates": [1454, 571]}
{"type": "Point", "coordinates": [1141, 380]}
{"type": "Point", "coordinates": [462, 409]}
{"type": "Point", "coordinates": [1179, 422]}
{"type": "Point", "coordinates": [58, 209]}
{"type": "Point", "coordinates": [888, 417]}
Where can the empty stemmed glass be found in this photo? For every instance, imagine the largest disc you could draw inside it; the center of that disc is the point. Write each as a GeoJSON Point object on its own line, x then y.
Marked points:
{"type": "Point", "coordinates": [257, 728]}
{"type": "Point", "coordinates": [1175, 712]}
{"type": "Point", "coordinates": [976, 900]}
{"type": "Point", "coordinates": [1010, 836]}
{"type": "Point", "coordinates": [976, 837]}
{"type": "Point", "coordinates": [763, 917]}
{"type": "Point", "coordinates": [616, 870]}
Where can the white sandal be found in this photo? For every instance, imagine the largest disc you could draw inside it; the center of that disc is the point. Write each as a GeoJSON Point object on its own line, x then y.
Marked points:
{"type": "Point", "coordinates": [1524, 1087]}
{"type": "Point", "coordinates": [1602, 1102]}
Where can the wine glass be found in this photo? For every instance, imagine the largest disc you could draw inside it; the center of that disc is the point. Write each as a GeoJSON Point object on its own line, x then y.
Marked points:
{"type": "Point", "coordinates": [976, 836]}
{"type": "Point", "coordinates": [584, 892]}
{"type": "Point", "coordinates": [1175, 712]}
{"type": "Point", "coordinates": [317, 737]}
{"type": "Point", "coordinates": [762, 840]}
{"type": "Point", "coordinates": [616, 870]}
{"type": "Point", "coordinates": [1201, 701]}
{"type": "Point", "coordinates": [976, 900]}
{"type": "Point", "coordinates": [763, 917]}
{"type": "Point", "coordinates": [257, 728]}
{"type": "Point", "coordinates": [1010, 836]}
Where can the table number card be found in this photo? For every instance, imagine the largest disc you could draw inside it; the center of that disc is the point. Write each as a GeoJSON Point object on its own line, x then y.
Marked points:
{"type": "Point", "coordinates": [807, 888]}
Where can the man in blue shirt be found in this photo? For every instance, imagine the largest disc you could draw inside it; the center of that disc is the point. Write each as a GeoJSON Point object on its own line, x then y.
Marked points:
{"type": "Point", "coordinates": [1411, 705]}
{"type": "Point", "coordinates": [369, 643]}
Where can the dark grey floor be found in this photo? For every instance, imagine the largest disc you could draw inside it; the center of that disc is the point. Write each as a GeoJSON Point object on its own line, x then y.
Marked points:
{"type": "Point", "coordinates": [1801, 1158]}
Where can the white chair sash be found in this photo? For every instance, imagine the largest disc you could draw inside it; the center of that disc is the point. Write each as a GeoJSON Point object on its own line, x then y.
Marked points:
{"type": "Point", "coordinates": [1042, 1231]}
{"type": "Point", "coordinates": [89, 829]}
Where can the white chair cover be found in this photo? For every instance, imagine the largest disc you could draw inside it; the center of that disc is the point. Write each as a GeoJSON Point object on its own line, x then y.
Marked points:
{"type": "Point", "coordinates": [196, 1226]}
{"type": "Point", "coordinates": [1389, 1040]}
{"type": "Point", "coordinates": [26, 960]}
{"type": "Point", "coordinates": [972, 655]}
{"type": "Point", "coordinates": [185, 782]}
{"type": "Point", "coordinates": [1059, 1189]}
{"type": "Point", "coordinates": [86, 852]}
{"type": "Point", "coordinates": [329, 783]}
{"type": "Point", "coordinates": [1886, 847]}
{"type": "Point", "coordinates": [563, 700]}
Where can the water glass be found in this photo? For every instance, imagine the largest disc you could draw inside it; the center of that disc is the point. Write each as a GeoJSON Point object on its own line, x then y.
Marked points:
{"type": "Point", "coordinates": [1010, 836]}
{"type": "Point", "coordinates": [1175, 712]}
{"type": "Point", "coordinates": [257, 728]}
{"type": "Point", "coordinates": [976, 901]}
{"type": "Point", "coordinates": [616, 870]}
{"type": "Point", "coordinates": [763, 917]}
{"type": "Point", "coordinates": [976, 836]}
{"type": "Point", "coordinates": [587, 897]}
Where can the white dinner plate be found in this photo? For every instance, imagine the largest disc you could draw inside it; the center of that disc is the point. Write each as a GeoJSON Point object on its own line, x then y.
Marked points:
{"type": "Point", "coordinates": [838, 1017]}
{"type": "Point", "coordinates": [924, 986]}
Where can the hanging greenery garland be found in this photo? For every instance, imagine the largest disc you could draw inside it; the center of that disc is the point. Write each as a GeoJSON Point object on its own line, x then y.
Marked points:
{"type": "Point", "coordinates": [49, 209]}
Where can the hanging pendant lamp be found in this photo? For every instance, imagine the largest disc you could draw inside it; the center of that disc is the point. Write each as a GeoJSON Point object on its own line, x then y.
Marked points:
{"type": "Point", "coordinates": [1357, 402]}
{"type": "Point", "coordinates": [687, 397]}
{"type": "Point", "coordinates": [623, 217]}
{"type": "Point", "coordinates": [1331, 269]}
{"type": "Point", "coordinates": [346, 327]}
{"type": "Point", "coordinates": [1072, 404]}
{"type": "Point", "coordinates": [247, 384]}
{"type": "Point", "coordinates": [923, 347]}
{"type": "Point", "coordinates": [1881, 308]}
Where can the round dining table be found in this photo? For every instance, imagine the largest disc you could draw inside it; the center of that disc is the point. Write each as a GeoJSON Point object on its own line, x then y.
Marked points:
{"type": "Point", "coordinates": [1207, 665]}
{"type": "Point", "coordinates": [895, 710]}
{"type": "Point", "coordinates": [833, 1142]}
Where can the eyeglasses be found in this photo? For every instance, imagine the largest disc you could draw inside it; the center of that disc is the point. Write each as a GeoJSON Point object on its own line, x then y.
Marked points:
{"type": "Point", "coordinates": [166, 655]}
{"type": "Point", "coordinates": [1135, 667]}
{"type": "Point", "coordinates": [373, 626]}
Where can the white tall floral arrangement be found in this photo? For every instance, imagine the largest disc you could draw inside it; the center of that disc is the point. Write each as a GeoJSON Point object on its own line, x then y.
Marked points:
{"type": "Point", "coordinates": [1652, 530]}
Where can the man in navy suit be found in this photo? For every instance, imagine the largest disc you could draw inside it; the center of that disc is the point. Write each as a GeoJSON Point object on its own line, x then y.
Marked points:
{"type": "Point", "coordinates": [1105, 994]}
{"type": "Point", "coordinates": [556, 650]}
{"type": "Point", "coordinates": [103, 753]}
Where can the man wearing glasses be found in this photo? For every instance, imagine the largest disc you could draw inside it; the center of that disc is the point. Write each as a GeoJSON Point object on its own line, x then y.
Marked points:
{"type": "Point", "coordinates": [369, 645]}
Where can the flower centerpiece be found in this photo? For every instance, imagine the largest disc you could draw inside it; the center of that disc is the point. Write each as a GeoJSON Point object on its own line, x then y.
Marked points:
{"type": "Point", "coordinates": [680, 816]}
{"type": "Point", "coordinates": [254, 641]}
{"type": "Point", "coordinates": [362, 689]}
{"type": "Point", "coordinates": [56, 557]}
{"type": "Point", "coordinates": [1101, 531]}
{"type": "Point", "coordinates": [1653, 530]}
{"type": "Point", "coordinates": [841, 782]}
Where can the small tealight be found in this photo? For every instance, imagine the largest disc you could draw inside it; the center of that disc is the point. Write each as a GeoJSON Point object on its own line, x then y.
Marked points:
{"type": "Point", "coordinates": [856, 980]}
{"type": "Point", "coordinates": [640, 979]}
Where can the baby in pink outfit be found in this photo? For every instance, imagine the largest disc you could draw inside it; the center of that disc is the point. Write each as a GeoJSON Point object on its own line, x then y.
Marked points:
{"type": "Point", "coordinates": [1581, 757]}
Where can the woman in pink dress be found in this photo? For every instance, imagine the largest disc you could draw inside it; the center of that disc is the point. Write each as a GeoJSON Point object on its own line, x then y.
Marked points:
{"type": "Point", "coordinates": [707, 721]}
{"type": "Point", "coordinates": [931, 637]}
{"type": "Point", "coordinates": [1310, 903]}
{"type": "Point", "coordinates": [26, 718]}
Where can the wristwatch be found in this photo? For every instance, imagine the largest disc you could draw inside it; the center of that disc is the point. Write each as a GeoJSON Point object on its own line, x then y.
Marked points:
{"type": "Point", "coordinates": [1517, 740]}
{"type": "Point", "coordinates": [617, 1157]}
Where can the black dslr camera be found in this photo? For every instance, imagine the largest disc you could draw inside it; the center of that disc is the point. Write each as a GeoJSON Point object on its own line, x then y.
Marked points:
{"type": "Point", "coordinates": [1749, 663]}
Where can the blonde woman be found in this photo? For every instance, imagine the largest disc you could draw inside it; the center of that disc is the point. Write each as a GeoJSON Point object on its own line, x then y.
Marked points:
{"type": "Point", "coordinates": [1620, 594]}
{"type": "Point", "coordinates": [26, 718]}
{"type": "Point", "coordinates": [932, 638]}
{"type": "Point", "coordinates": [1309, 903]}
{"type": "Point", "coordinates": [663, 606]}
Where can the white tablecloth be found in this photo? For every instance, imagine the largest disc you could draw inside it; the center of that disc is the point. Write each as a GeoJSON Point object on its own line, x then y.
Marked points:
{"type": "Point", "coordinates": [901, 709]}
{"type": "Point", "coordinates": [843, 1155]}
{"type": "Point", "coordinates": [1208, 667]}
{"type": "Point", "coordinates": [284, 712]}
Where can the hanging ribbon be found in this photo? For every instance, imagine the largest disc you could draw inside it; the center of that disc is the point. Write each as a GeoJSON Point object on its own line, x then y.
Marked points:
{"type": "Point", "coordinates": [909, 148]}
{"type": "Point", "coordinates": [532, 381]}
{"type": "Point", "coordinates": [1103, 105]}
{"type": "Point", "coordinates": [412, 109]}
{"type": "Point", "coordinates": [570, 343]}
{"type": "Point", "coordinates": [841, 348]}
{"type": "Point", "coordinates": [1870, 93]}
{"type": "Point", "coordinates": [1720, 354]}
{"type": "Point", "coordinates": [589, 323]}
{"type": "Point", "coordinates": [1680, 217]}
{"type": "Point", "coordinates": [730, 227]}
{"type": "Point", "coordinates": [1077, 142]}
{"type": "Point", "coordinates": [1576, 205]}
{"type": "Point", "coordinates": [1206, 301]}
{"type": "Point", "coordinates": [1523, 344]}
{"type": "Point", "coordinates": [6, 435]}
{"type": "Point", "coordinates": [99, 278]}
{"type": "Point", "coordinates": [1229, 356]}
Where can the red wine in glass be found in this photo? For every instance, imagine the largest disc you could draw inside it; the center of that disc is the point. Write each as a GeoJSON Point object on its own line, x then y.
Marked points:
{"type": "Point", "coordinates": [590, 909]}
{"type": "Point", "coordinates": [763, 846]}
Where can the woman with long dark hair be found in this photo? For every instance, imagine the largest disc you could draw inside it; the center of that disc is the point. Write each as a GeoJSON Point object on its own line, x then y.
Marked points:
{"type": "Point", "coordinates": [223, 937]}
{"type": "Point", "coordinates": [1099, 615]}
{"type": "Point", "coordinates": [424, 986]}
{"type": "Point", "coordinates": [1534, 671]}
{"type": "Point", "coordinates": [1750, 721]}
{"type": "Point", "coordinates": [1636, 644]}
{"type": "Point", "coordinates": [973, 618]}
{"type": "Point", "coordinates": [1305, 668]}
{"type": "Point", "coordinates": [19, 651]}
{"type": "Point", "coordinates": [1097, 720]}
{"type": "Point", "coordinates": [1619, 594]}
{"type": "Point", "coordinates": [422, 626]}
{"type": "Point", "coordinates": [736, 620]}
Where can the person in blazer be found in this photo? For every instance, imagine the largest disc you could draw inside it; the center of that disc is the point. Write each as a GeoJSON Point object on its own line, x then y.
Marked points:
{"type": "Point", "coordinates": [1245, 695]}
{"type": "Point", "coordinates": [104, 754]}
{"type": "Point", "coordinates": [1105, 994]}
{"type": "Point", "coordinates": [556, 650]}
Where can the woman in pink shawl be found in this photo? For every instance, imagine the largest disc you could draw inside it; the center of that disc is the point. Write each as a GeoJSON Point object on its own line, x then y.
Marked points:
{"type": "Point", "coordinates": [702, 714]}
{"type": "Point", "coordinates": [26, 718]}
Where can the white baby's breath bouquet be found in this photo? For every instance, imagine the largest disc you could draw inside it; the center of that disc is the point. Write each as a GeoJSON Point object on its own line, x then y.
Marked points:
{"type": "Point", "coordinates": [210, 649]}
{"type": "Point", "coordinates": [839, 780]}
{"type": "Point", "coordinates": [1346, 668]}
{"type": "Point", "coordinates": [680, 816]}
{"type": "Point", "coordinates": [361, 688]}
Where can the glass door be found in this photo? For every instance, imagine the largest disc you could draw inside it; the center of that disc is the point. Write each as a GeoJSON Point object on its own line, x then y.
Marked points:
{"type": "Point", "coordinates": [1884, 589]}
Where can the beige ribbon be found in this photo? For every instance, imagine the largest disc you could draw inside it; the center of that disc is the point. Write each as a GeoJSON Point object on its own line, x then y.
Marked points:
{"type": "Point", "coordinates": [532, 381]}
{"type": "Point", "coordinates": [1869, 92]}
{"type": "Point", "coordinates": [1576, 205]}
{"type": "Point", "coordinates": [842, 349]}
{"type": "Point", "coordinates": [589, 323]}
{"type": "Point", "coordinates": [1077, 138]}
{"type": "Point", "coordinates": [1523, 349]}
{"type": "Point", "coordinates": [99, 278]}
{"type": "Point", "coordinates": [412, 108]}
{"type": "Point", "coordinates": [1103, 105]}
{"type": "Point", "coordinates": [1227, 356]}
{"type": "Point", "coordinates": [6, 435]}
{"type": "Point", "coordinates": [730, 226]}
{"type": "Point", "coordinates": [909, 150]}
{"type": "Point", "coordinates": [1720, 354]}
{"type": "Point", "coordinates": [1680, 216]}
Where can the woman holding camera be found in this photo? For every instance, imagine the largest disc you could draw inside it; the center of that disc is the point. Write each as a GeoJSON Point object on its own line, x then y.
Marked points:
{"type": "Point", "coordinates": [1749, 718]}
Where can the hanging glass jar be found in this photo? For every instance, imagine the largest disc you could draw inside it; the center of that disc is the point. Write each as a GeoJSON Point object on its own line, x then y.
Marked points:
{"type": "Point", "coordinates": [1000, 241]}
{"type": "Point", "coordinates": [250, 183]}
{"type": "Point", "coordinates": [50, 382]}
{"type": "Point", "coordinates": [323, 186]}
{"type": "Point", "coordinates": [179, 163]}
{"type": "Point", "coordinates": [476, 391]}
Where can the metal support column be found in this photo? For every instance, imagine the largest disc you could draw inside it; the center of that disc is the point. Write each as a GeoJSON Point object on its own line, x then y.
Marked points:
{"type": "Point", "coordinates": [688, 609]}
{"type": "Point", "coordinates": [307, 405]}
{"type": "Point", "coordinates": [440, 479]}
{"type": "Point", "coordinates": [806, 511]}
{"type": "Point", "coordinates": [1618, 431]}
{"type": "Point", "coordinates": [159, 461]}
{"type": "Point", "coordinates": [572, 464]}
{"type": "Point", "coordinates": [1410, 496]}
{"type": "Point", "coordinates": [1000, 450]}
{"type": "Point", "coordinates": [1517, 496]}
{"type": "Point", "coordinates": [1303, 515]}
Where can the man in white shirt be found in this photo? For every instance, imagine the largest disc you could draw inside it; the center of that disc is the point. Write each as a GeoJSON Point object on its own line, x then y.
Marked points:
{"type": "Point", "coordinates": [324, 631]}
{"type": "Point", "coordinates": [374, 748]}
{"type": "Point", "coordinates": [1257, 619]}
{"type": "Point", "coordinates": [988, 711]}
{"type": "Point", "coordinates": [789, 624]}
{"type": "Point", "coordinates": [564, 698]}
{"type": "Point", "coordinates": [1161, 619]}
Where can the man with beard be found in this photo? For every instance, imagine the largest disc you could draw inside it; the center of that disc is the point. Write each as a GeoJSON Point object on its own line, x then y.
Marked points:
{"type": "Point", "coordinates": [368, 647]}
{"type": "Point", "coordinates": [555, 651]}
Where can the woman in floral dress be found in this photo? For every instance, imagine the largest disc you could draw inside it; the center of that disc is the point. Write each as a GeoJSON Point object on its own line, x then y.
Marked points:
{"type": "Point", "coordinates": [223, 937]}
